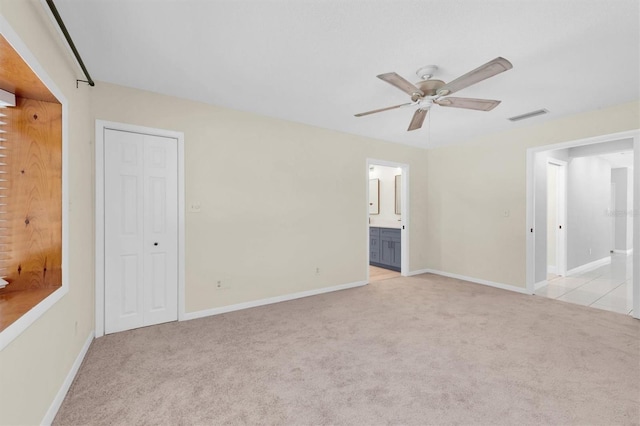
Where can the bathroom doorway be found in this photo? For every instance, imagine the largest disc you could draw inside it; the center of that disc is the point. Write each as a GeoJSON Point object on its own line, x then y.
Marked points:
{"type": "Point", "coordinates": [387, 219]}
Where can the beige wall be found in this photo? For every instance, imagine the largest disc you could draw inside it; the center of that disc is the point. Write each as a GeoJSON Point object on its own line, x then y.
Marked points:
{"type": "Point", "coordinates": [470, 186]}
{"type": "Point", "coordinates": [279, 199]}
{"type": "Point", "coordinates": [34, 365]}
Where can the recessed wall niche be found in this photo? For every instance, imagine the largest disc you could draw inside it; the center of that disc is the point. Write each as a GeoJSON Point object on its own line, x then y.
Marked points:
{"type": "Point", "coordinates": [30, 189]}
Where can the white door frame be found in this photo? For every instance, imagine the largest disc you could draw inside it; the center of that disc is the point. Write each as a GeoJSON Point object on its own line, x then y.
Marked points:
{"type": "Point", "coordinates": [561, 203]}
{"type": "Point", "coordinates": [613, 212]}
{"type": "Point", "coordinates": [404, 208]}
{"type": "Point", "coordinates": [530, 218]}
{"type": "Point", "coordinates": [101, 126]}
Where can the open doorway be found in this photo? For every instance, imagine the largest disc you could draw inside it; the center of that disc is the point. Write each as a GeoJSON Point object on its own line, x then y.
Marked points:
{"type": "Point", "coordinates": [387, 213]}
{"type": "Point", "coordinates": [581, 196]}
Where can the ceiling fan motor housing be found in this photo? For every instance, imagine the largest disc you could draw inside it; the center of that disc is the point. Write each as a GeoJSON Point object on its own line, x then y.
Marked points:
{"type": "Point", "coordinates": [428, 87]}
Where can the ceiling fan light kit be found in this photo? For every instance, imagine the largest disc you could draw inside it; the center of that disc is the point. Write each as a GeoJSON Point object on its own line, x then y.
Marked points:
{"type": "Point", "coordinates": [427, 92]}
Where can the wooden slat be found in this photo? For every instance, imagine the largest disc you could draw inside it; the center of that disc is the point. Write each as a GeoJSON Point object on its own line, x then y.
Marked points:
{"type": "Point", "coordinates": [31, 230]}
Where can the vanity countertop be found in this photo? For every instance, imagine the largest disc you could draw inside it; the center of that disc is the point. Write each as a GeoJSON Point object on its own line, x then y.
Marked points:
{"type": "Point", "coordinates": [386, 225]}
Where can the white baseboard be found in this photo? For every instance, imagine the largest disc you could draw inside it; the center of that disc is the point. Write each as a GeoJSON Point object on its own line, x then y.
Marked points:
{"type": "Point", "coordinates": [471, 279]}
{"type": "Point", "coordinates": [419, 271]}
{"type": "Point", "coordinates": [627, 252]}
{"type": "Point", "coordinates": [57, 401]}
{"type": "Point", "coordinates": [540, 284]}
{"type": "Point", "coordinates": [589, 266]}
{"type": "Point", "coordinates": [269, 301]}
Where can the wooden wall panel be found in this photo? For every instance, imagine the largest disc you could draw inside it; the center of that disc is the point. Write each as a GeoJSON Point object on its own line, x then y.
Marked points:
{"type": "Point", "coordinates": [31, 227]}
{"type": "Point", "coordinates": [18, 78]}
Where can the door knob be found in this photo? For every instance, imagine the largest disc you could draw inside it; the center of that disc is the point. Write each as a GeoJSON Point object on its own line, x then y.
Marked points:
{"type": "Point", "coordinates": [155, 244]}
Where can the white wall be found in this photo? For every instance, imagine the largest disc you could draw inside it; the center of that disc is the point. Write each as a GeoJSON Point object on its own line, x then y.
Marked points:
{"type": "Point", "coordinates": [623, 210]}
{"type": "Point", "coordinates": [387, 216]}
{"type": "Point", "coordinates": [589, 225]}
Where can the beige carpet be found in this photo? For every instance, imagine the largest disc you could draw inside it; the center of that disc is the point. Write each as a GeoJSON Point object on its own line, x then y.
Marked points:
{"type": "Point", "coordinates": [411, 351]}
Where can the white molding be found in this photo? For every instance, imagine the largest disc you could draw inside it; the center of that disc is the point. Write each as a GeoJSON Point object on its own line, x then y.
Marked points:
{"type": "Point", "coordinates": [15, 329]}
{"type": "Point", "coordinates": [472, 280]}
{"type": "Point", "coordinates": [541, 284]}
{"type": "Point", "coordinates": [101, 125]}
{"type": "Point", "coordinates": [589, 266]}
{"type": "Point", "coordinates": [561, 202]}
{"type": "Point", "coordinates": [626, 252]}
{"type": "Point", "coordinates": [270, 300]}
{"type": "Point", "coordinates": [420, 271]}
{"type": "Point", "coordinates": [551, 269]}
{"type": "Point", "coordinates": [635, 295]}
{"type": "Point", "coordinates": [62, 392]}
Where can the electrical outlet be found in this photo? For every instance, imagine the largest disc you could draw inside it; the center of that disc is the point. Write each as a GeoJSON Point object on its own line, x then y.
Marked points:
{"type": "Point", "coordinates": [506, 213]}
{"type": "Point", "coordinates": [220, 285]}
{"type": "Point", "coordinates": [317, 271]}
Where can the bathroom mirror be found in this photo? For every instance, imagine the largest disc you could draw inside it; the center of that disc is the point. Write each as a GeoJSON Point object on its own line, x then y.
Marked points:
{"type": "Point", "coordinates": [374, 196]}
{"type": "Point", "coordinates": [398, 193]}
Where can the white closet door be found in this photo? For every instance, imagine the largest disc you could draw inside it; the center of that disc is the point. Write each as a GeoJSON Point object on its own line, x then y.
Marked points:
{"type": "Point", "coordinates": [141, 235]}
{"type": "Point", "coordinates": [160, 230]}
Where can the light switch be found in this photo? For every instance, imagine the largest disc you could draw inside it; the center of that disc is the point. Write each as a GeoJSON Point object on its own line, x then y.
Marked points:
{"type": "Point", "coordinates": [194, 207]}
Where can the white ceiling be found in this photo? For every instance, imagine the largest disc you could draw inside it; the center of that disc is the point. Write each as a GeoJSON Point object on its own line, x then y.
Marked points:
{"type": "Point", "coordinates": [619, 159]}
{"type": "Point", "coordinates": [316, 61]}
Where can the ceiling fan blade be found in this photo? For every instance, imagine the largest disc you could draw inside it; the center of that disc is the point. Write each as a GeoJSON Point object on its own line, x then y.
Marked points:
{"type": "Point", "coordinates": [418, 119]}
{"type": "Point", "coordinates": [483, 72]}
{"type": "Point", "coordinates": [468, 103]}
{"type": "Point", "coordinates": [382, 109]}
{"type": "Point", "coordinates": [395, 80]}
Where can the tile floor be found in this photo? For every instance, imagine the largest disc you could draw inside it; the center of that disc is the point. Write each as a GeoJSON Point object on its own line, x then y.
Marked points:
{"type": "Point", "coordinates": [607, 287]}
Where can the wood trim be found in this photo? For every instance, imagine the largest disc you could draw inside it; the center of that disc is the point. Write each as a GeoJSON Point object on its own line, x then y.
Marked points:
{"type": "Point", "coordinates": [14, 304]}
{"type": "Point", "coordinates": [18, 78]}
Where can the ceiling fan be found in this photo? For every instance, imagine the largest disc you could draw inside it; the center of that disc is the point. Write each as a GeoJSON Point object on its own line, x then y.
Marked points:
{"type": "Point", "coordinates": [427, 92]}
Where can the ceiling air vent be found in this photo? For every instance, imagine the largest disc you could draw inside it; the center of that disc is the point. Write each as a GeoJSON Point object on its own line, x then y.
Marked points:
{"type": "Point", "coordinates": [528, 115]}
